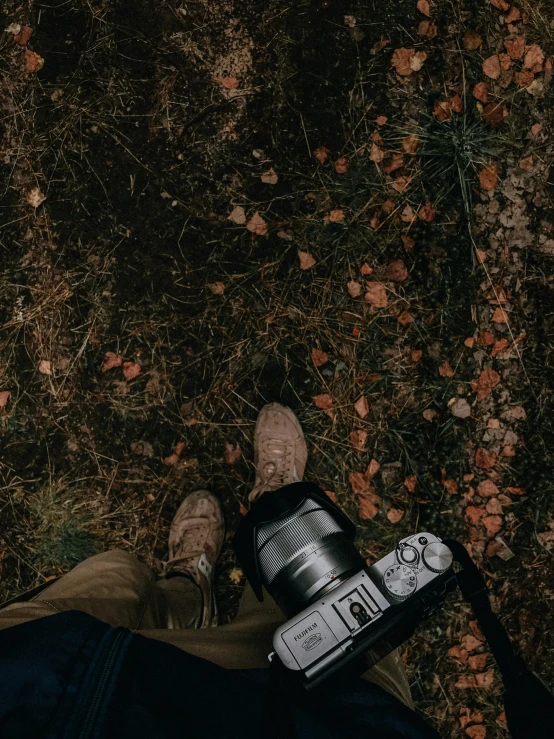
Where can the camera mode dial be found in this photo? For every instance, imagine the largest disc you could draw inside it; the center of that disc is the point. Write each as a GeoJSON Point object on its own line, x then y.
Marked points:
{"type": "Point", "coordinates": [400, 581]}
{"type": "Point", "coordinates": [437, 557]}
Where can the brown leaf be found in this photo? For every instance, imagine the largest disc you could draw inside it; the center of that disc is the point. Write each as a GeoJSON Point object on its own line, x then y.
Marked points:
{"type": "Point", "coordinates": [358, 439]}
{"type": "Point", "coordinates": [381, 120]}
{"type": "Point", "coordinates": [509, 451]}
{"type": "Point", "coordinates": [513, 15]}
{"type": "Point", "coordinates": [361, 406]}
{"type": "Point", "coordinates": [505, 62]}
{"type": "Point", "coordinates": [111, 360]}
{"type": "Point", "coordinates": [402, 183]}
{"type": "Point", "coordinates": [471, 40]}
{"type": "Point", "coordinates": [408, 242]}
{"type": "Point", "coordinates": [427, 212]}
{"type": "Point", "coordinates": [379, 45]}
{"type": "Point", "coordinates": [306, 260]}
{"type": "Point", "coordinates": [477, 731]}
{"type": "Point", "coordinates": [45, 367]}
{"type": "Point", "coordinates": [408, 215]}
{"type": "Point", "coordinates": [441, 110]}
{"type": "Point", "coordinates": [491, 67]}
{"type": "Point", "coordinates": [485, 459]}
{"type": "Point", "coordinates": [481, 255]}
{"type": "Point", "coordinates": [429, 415]}
{"type": "Point", "coordinates": [484, 679]}
{"type": "Point", "coordinates": [217, 288]}
{"type": "Point", "coordinates": [526, 163]}
{"type": "Point", "coordinates": [367, 507]}
{"type": "Point", "coordinates": [237, 215]}
{"type": "Point", "coordinates": [457, 104]}
{"type": "Point", "coordinates": [401, 59]}
{"type": "Point", "coordinates": [410, 483]}
{"type": "Point", "coordinates": [229, 83]}
{"type": "Point", "coordinates": [534, 58]}
{"type": "Point", "coordinates": [458, 653]}
{"type": "Point", "coordinates": [445, 370]}
{"type": "Point", "coordinates": [257, 225]}
{"type": "Point", "coordinates": [494, 507]}
{"type": "Point", "coordinates": [499, 346]}
{"type": "Point", "coordinates": [342, 165]}
{"type": "Point", "coordinates": [476, 630]}
{"type": "Point", "coordinates": [493, 524]}
{"type": "Point", "coordinates": [35, 197]}
{"type": "Point", "coordinates": [325, 401]}
{"type": "Point", "coordinates": [427, 29]}
{"type": "Point", "coordinates": [33, 62]}
{"type": "Point", "coordinates": [423, 7]}
{"type": "Point", "coordinates": [360, 482]}
{"type": "Point", "coordinates": [232, 453]}
{"type": "Point", "coordinates": [376, 154]}
{"type": "Point", "coordinates": [515, 47]}
{"type": "Point", "coordinates": [487, 489]}
{"type": "Point", "coordinates": [373, 468]}
{"type": "Point", "coordinates": [467, 716]}
{"type": "Point", "coordinates": [480, 92]}
{"type": "Point", "coordinates": [488, 379]}
{"type": "Point", "coordinates": [321, 154]}
{"type": "Point", "coordinates": [469, 342]}
{"type": "Point", "coordinates": [354, 289]}
{"type": "Point", "coordinates": [171, 460]}
{"type": "Point", "coordinates": [474, 514]}
{"type": "Point", "coordinates": [488, 177]}
{"type": "Point", "coordinates": [319, 358]}
{"type": "Point", "coordinates": [404, 319]}
{"type": "Point", "coordinates": [494, 114]}
{"type": "Point", "coordinates": [471, 642]}
{"type": "Point", "coordinates": [451, 487]}
{"type": "Point", "coordinates": [461, 408]}
{"type": "Point", "coordinates": [417, 60]}
{"type": "Point", "coordinates": [336, 215]}
{"type": "Point", "coordinates": [396, 271]}
{"type": "Point", "coordinates": [131, 370]}
{"type": "Point", "coordinates": [500, 4]}
{"type": "Point", "coordinates": [270, 177]}
{"type": "Point", "coordinates": [410, 143]}
{"type": "Point", "coordinates": [4, 397]}
{"type": "Point", "coordinates": [516, 491]}
{"type": "Point", "coordinates": [24, 35]}
{"type": "Point", "coordinates": [332, 495]}
{"type": "Point", "coordinates": [499, 316]}
{"type": "Point", "coordinates": [525, 78]}
{"type": "Point", "coordinates": [478, 662]}
{"type": "Point", "coordinates": [485, 338]}
{"type": "Point", "coordinates": [376, 295]}
{"type": "Point", "coordinates": [395, 515]}
{"type": "Point", "coordinates": [465, 681]}
{"type": "Point", "coordinates": [394, 162]}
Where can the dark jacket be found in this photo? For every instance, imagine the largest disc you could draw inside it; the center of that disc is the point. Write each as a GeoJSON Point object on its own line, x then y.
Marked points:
{"type": "Point", "coordinates": [71, 676]}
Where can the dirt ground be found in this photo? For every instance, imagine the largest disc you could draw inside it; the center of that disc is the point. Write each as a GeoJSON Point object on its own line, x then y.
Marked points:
{"type": "Point", "coordinates": [313, 202]}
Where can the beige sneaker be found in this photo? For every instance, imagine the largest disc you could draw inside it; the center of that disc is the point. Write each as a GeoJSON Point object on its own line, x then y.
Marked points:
{"type": "Point", "coordinates": [280, 452]}
{"type": "Point", "coordinates": [195, 540]}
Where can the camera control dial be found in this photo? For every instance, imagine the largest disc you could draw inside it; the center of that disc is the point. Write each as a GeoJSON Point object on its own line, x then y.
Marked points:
{"type": "Point", "coordinates": [400, 581]}
{"type": "Point", "coordinates": [408, 555]}
{"type": "Point", "coordinates": [437, 557]}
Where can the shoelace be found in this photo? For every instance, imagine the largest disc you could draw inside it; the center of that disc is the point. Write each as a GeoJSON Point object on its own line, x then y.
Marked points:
{"type": "Point", "coordinates": [272, 474]}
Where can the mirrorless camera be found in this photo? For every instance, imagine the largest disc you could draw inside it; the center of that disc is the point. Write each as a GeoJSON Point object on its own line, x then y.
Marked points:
{"type": "Point", "coordinates": [299, 546]}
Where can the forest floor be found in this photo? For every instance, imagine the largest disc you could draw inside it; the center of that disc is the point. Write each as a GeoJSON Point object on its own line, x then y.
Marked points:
{"type": "Point", "coordinates": [346, 207]}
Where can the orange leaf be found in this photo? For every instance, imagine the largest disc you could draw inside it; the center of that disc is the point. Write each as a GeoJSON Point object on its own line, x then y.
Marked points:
{"type": "Point", "coordinates": [321, 154]}
{"type": "Point", "coordinates": [237, 215]}
{"type": "Point", "coordinates": [500, 4]}
{"type": "Point", "coordinates": [478, 662]}
{"type": "Point", "coordinates": [376, 295]}
{"type": "Point", "coordinates": [404, 319]}
{"type": "Point", "coordinates": [480, 92]}
{"type": "Point", "coordinates": [499, 346]}
{"type": "Point", "coordinates": [513, 15]}
{"type": "Point", "coordinates": [477, 731]}
{"type": "Point", "coordinates": [445, 370]}
{"type": "Point", "coordinates": [270, 177]}
{"type": "Point", "coordinates": [33, 62]}
{"type": "Point", "coordinates": [423, 7]}
{"type": "Point", "coordinates": [499, 316]}
{"type": "Point", "coordinates": [257, 225]}
{"type": "Point", "coordinates": [232, 453]}
{"type": "Point", "coordinates": [381, 120]}
{"type": "Point", "coordinates": [395, 515]}
{"type": "Point", "coordinates": [409, 143]}
{"type": "Point", "coordinates": [354, 288]}
{"type": "Point", "coordinates": [112, 360]}
{"type": "Point", "coordinates": [325, 401]}
{"type": "Point", "coordinates": [451, 486]}
{"type": "Point", "coordinates": [488, 177]}
{"type": "Point", "coordinates": [306, 260]}
{"type": "Point", "coordinates": [415, 355]}
{"type": "Point", "coordinates": [427, 212]}
{"type": "Point", "coordinates": [358, 439]}
{"type": "Point", "coordinates": [516, 491]}
{"type": "Point", "coordinates": [494, 507]}
{"type": "Point", "coordinates": [459, 653]}
{"type": "Point", "coordinates": [427, 29]}
{"type": "Point", "coordinates": [396, 271]}
{"type": "Point", "coordinates": [376, 154]}
{"type": "Point", "coordinates": [24, 35]}
{"type": "Point", "coordinates": [335, 216]}
{"type": "Point", "coordinates": [4, 397]}
{"type": "Point", "coordinates": [484, 679]}
{"type": "Point", "coordinates": [534, 58]}
{"type": "Point", "coordinates": [488, 379]}
{"type": "Point", "coordinates": [467, 716]}
{"type": "Point", "coordinates": [471, 40]}
{"type": "Point", "coordinates": [485, 459]}
{"type": "Point", "coordinates": [469, 342]}
{"type": "Point", "coordinates": [471, 642]}
{"type": "Point", "coordinates": [131, 370]}
{"type": "Point", "coordinates": [493, 524]}
{"type": "Point", "coordinates": [487, 489]}
{"type": "Point", "coordinates": [401, 61]}
{"type": "Point", "coordinates": [367, 506]}
{"type": "Point", "coordinates": [243, 510]}
{"type": "Point", "coordinates": [342, 165]}
{"type": "Point", "coordinates": [365, 269]}
{"type": "Point", "coordinates": [229, 83]}
{"type": "Point", "coordinates": [429, 415]}
{"type": "Point", "coordinates": [408, 242]}
{"type": "Point", "coordinates": [360, 482]}
{"type": "Point", "coordinates": [319, 357]}
{"type": "Point", "coordinates": [515, 47]}
{"type": "Point", "coordinates": [491, 67]}
{"type": "Point", "coordinates": [361, 406]}
{"type": "Point", "coordinates": [217, 288]}
{"type": "Point", "coordinates": [474, 514]}
{"type": "Point", "coordinates": [373, 468]}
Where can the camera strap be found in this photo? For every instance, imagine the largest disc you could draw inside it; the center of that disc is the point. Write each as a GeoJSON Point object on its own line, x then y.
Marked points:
{"type": "Point", "coordinates": [528, 702]}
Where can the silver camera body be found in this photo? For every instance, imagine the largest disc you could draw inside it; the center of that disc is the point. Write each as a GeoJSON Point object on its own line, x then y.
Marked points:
{"type": "Point", "coordinates": [298, 545]}
{"type": "Point", "coordinates": [371, 612]}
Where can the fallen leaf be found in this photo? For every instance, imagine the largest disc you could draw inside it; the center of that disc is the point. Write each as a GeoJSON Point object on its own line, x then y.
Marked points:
{"type": "Point", "coordinates": [509, 451]}
{"type": "Point", "coordinates": [429, 415]}
{"type": "Point", "coordinates": [319, 358]}
{"type": "Point", "coordinates": [376, 154]}
{"type": "Point", "coordinates": [516, 491]}
{"type": "Point", "coordinates": [358, 439]}
{"type": "Point", "coordinates": [415, 355]}
{"type": "Point", "coordinates": [423, 7]}
{"type": "Point", "coordinates": [536, 129]}
{"type": "Point", "coordinates": [488, 379]}
{"type": "Point", "coordinates": [477, 731]}
{"type": "Point", "coordinates": [408, 242]}
{"type": "Point", "coordinates": [410, 143]}
{"type": "Point", "coordinates": [376, 295]}
{"type": "Point", "coordinates": [354, 289]}
{"type": "Point", "coordinates": [217, 288]}
{"type": "Point", "coordinates": [379, 45]}
{"type": "Point", "coordinates": [417, 60]}
{"type": "Point", "coordinates": [451, 487]}
{"type": "Point", "coordinates": [257, 225]}
{"type": "Point", "coordinates": [488, 177]}
{"type": "Point", "coordinates": [487, 489]}
{"type": "Point", "coordinates": [506, 62]}
{"type": "Point", "coordinates": [131, 370]}
{"type": "Point", "coordinates": [491, 67]}
{"type": "Point", "coordinates": [332, 495]}
{"type": "Point", "coordinates": [499, 346]}
{"type": "Point", "coordinates": [4, 397]}
{"type": "Point", "coordinates": [402, 183]}
{"type": "Point", "coordinates": [467, 716]}
{"type": "Point", "coordinates": [395, 515]}
{"type": "Point", "coordinates": [461, 408]}
{"type": "Point", "coordinates": [33, 61]}
{"type": "Point", "coordinates": [442, 109]}
{"type": "Point", "coordinates": [367, 506]}
{"type": "Point", "coordinates": [229, 83]}
{"type": "Point", "coordinates": [484, 679]}
{"type": "Point", "coordinates": [515, 47]}
{"type": "Point", "coordinates": [427, 29]}
{"type": "Point", "coordinates": [471, 40]}
{"type": "Point", "coordinates": [336, 215]}
{"type": "Point", "coordinates": [381, 120]}
{"type": "Point", "coordinates": [410, 483]}
{"type": "Point", "coordinates": [465, 681]}
{"type": "Point", "coordinates": [481, 255]}
{"type": "Point", "coordinates": [24, 35]}
{"type": "Point", "coordinates": [35, 197]}
{"type": "Point", "coordinates": [306, 260]}
{"type": "Point", "coordinates": [342, 165]}
{"type": "Point", "coordinates": [485, 459]}
{"type": "Point", "coordinates": [365, 269]}
{"type": "Point", "coordinates": [171, 460]}
{"type": "Point", "coordinates": [45, 367]}
{"type": "Point", "coordinates": [270, 177]}
{"type": "Point", "coordinates": [13, 28]}
{"type": "Point", "coordinates": [493, 524]}
{"type": "Point", "coordinates": [526, 163]}
{"type": "Point", "coordinates": [513, 15]}
{"type": "Point", "coordinates": [360, 482]}
{"type": "Point", "coordinates": [457, 104]}
{"type": "Point", "coordinates": [525, 78]}
{"type": "Point", "coordinates": [427, 212]}
{"type": "Point", "coordinates": [321, 154]}
{"type": "Point", "coordinates": [232, 453]}
{"type": "Point", "coordinates": [404, 319]}
{"type": "Point", "coordinates": [458, 653]}
{"type": "Point", "coordinates": [408, 215]}
{"type": "Point", "coordinates": [471, 642]}
{"type": "Point", "coordinates": [469, 342]}
{"type": "Point", "coordinates": [494, 114]}
{"type": "Point", "coordinates": [500, 4]}
{"type": "Point", "coordinates": [373, 468]}
{"type": "Point", "coordinates": [445, 370]}
{"type": "Point", "coordinates": [474, 513]}
{"type": "Point", "coordinates": [237, 215]}
{"type": "Point", "coordinates": [236, 575]}
{"type": "Point", "coordinates": [362, 406]}
{"type": "Point", "coordinates": [401, 59]}
{"type": "Point", "coordinates": [325, 401]}
{"type": "Point", "coordinates": [111, 360]}
{"type": "Point", "coordinates": [396, 271]}
{"type": "Point", "coordinates": [478, 662]}
{"type": "Point", "coordinates": [534, 58]}
{"type": "Point", "coordinates": [480, 92]}
{"type": "Point", "coordinates": [499, 316]}
{"type": "Point", "coordinates": [494, 507]}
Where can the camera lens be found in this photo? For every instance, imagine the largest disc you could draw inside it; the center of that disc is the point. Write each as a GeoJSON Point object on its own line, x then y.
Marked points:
{"type": "Point", "coordinates": [303, 555]}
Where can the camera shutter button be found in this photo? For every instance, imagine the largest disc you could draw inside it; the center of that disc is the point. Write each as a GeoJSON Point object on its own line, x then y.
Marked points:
{"type": "Point", "coordinates": [437, 557]}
